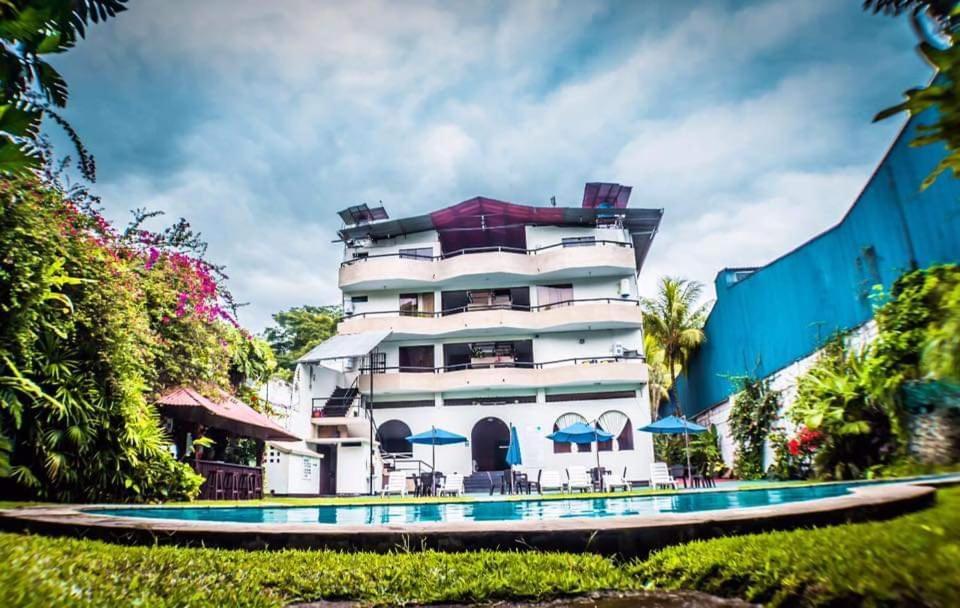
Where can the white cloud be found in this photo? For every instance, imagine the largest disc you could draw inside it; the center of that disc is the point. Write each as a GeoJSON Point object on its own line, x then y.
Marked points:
{"type": "Point", "coordinates": [724, 116]}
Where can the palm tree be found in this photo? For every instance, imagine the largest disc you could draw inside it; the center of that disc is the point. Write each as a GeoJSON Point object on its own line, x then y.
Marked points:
{"type": "Point", "coordinates": [658, 383]}
{"type": "Point", "coordinates": [675, 320]}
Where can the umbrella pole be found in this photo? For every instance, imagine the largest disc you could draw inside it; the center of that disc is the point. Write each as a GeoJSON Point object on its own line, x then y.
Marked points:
{"type": "Point", "coordinates": [433, 466]}
{"type": "Point", "coordinates": [686, 443]}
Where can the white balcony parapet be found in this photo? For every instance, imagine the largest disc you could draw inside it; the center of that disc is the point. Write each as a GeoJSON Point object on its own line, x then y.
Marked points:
{"type": "Point", "coordinates": [579, 371]}
{"type": "Point", "coordinates": [398, 270]}
{"type": "Point", "coordinates": [567, 315]}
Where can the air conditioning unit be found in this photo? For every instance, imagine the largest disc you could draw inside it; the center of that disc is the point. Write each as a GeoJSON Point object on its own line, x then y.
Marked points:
{"type": "Point", "coordinates": [347, 307]}
{"type": "Point", "coordinates": [624, 288]}
{"type": "Point", "coordinates": [349, 363]}
{"type": "Point", "coordinates": [618, 349]}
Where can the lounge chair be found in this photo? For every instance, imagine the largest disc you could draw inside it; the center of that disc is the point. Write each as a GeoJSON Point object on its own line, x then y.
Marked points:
{"type": "Point", "coordinates": [451, 485]}
{"type": "Point", "coordinates": [396, 484]}
{"type": "Point", "coordinates": [549, 480]}
{"type": "Point", "coordinates": [660, 476]}
{"type": "Point", "coordinates": [578, 479]}
{"type": "Point", "coordinates": [612, 481]}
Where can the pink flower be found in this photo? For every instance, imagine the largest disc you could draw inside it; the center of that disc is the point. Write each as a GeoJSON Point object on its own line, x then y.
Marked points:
{"type": "Point", "coordinates": [152, 257]}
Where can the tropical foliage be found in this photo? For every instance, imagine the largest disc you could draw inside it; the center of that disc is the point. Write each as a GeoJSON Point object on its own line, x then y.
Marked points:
{"type": "Point", "coordinates": [658, 377]}
{"type": "Point", "coordinates": [943, 93]}
{"type": "Point", "coordinates": [857, 399]}
{"type": "Point", "coordinates": [299, 329]}
{"type": "Point", "coordinates": [674, 319]}
{"type": "Point", "coordinates": [93, 322]}
{"type": "Point", "coordinates": [30, 88]}
{"type": "Point", "coordinates": [752, 416]}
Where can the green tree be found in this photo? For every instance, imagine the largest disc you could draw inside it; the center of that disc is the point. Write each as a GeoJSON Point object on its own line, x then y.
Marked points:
{"type": "Point", "coordinates": [658, 382]}
{"type": "Point", "coordinates": [675, 320]}
{"type": "Point", "coordinates": [299, 329]}
{"type": "Point", "coordinates": [76, 353]}
{"type": "Point", "coordinates": [30, 88]}
{"type": "Point", "coordinates": [943, 92]}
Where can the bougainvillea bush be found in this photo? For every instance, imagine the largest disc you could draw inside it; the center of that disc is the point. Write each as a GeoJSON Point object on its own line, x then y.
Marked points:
{"type": "Point", "coordinates": [94, 323]}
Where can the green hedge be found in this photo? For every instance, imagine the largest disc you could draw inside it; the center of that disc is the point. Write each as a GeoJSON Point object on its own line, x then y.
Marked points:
{"type": "Point", "coordinates": [912, 560]}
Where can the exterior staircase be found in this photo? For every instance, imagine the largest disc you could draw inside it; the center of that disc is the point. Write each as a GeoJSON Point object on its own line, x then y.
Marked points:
{"type": "Point", "coordinates": [339, 402]}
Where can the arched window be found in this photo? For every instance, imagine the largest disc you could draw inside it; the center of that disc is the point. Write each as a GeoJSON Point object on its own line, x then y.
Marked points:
{"type": "Point", "coordinates": [562, 423]}
{"type": "Point", "coordinates": [392, 436]}
{"type": "Point", "coordinates": [618, 423]}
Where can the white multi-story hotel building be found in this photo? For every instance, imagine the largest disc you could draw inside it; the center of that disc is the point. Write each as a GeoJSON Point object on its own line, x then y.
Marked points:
{"type": "Point", "coordinates": [474, 318]}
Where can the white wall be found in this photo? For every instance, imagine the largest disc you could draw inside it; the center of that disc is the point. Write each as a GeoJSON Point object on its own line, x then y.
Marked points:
{"type": "Point", "coordinates": [427, 238]}
{"type": "Point", "coordinates": [353, 469]}
{"type": "Point", "coordinates": [533, 421]}
{"type": "Point", "coordinates": [291, 474]}
{"type": "Point", "coordinates": [785, 381]}
{"type": "Point", "coordinates": [542, 236]}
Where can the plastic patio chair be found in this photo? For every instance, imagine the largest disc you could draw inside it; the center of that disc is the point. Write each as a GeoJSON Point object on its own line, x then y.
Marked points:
{"type": "Point", "coordinates": [550, 480]}
{"type": "Point", "coordinates": [660, 476]}
{"type": "Point", "coordinates": [451, 485]}
{"type": "Point", "coordinates": [579, 479]}
{"type": "Point", "coordinates": [396, 484]}
{"type": "Point", "coordinates": [612, 481]}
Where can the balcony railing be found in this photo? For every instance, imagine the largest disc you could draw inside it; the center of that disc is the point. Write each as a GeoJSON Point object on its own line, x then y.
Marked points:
{"type": "Point", "coordinates": [475, 308]}
{"type": "Point", "coordinates": [497, 249]}
{"type": "Point", "coordinates": [507, 364]}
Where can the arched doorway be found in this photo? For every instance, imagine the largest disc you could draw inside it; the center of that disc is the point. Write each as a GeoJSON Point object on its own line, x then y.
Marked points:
{"type": "Point", "coordinates": [392, 436]}
{"type": "Point", "coordinates": [488, 444]}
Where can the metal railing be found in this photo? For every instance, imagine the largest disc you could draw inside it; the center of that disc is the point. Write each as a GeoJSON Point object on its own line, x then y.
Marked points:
{"type": "Point", "coordinates": [492, 249]}
{"type": "Point", "coordinates": [403, 369]}
{"type": "Point", "coordinates": [404, 462]}
{"type": "Point", "coordinates": [481, 308]}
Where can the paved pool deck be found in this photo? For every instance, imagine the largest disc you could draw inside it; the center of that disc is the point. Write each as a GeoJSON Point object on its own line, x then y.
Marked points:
{"type": "Point", "coordinates": [627, 536]}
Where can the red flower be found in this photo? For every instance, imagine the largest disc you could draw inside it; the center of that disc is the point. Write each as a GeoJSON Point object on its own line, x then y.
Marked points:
{"type": "Point", "coordinates": [794, 447]}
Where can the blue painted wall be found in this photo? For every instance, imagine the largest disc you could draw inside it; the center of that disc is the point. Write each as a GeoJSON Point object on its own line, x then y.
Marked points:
{"type": "Point", "coordinates": [785, 310]}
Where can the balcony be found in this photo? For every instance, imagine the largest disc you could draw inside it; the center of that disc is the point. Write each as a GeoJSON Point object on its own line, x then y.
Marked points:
{"type": "Point", "coordinates": [567, 315]}
{"type": "Point", "coordinates": [496, 265]}
{"type": "Point", "coordinates": [581, 371]}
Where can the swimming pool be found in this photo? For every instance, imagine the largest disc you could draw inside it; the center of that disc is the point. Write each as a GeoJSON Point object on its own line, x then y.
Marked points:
{"type": "Point", "coordinates": [487, 510]}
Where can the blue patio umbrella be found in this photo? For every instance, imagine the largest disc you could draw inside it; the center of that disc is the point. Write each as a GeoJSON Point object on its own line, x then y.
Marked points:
{"type": "Point", "coordinates": [513, 452]}
{"type": "Point", "coordinates": [435, 437]}
{"type": "Point", "coordinates": [674, 425]}
{"type": "Point", "coordinates": [581, 432]}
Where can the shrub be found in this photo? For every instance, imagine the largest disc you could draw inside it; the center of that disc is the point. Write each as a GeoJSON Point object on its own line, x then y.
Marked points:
{"type": "Point", "coordinates": [93, 324]}
{"type": "Point", "coordinates": [910, 561]}
{"type": "Point", "coordinates": [755, 408]}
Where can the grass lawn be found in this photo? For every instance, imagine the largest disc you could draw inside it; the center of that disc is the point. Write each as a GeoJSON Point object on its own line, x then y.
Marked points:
{"type": "Point", "coordinates": [912, 560]}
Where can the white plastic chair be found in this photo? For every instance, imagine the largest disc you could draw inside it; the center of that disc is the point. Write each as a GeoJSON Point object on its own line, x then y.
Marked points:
{"type": "Point", "coordinates": [578, 479]}
{"type": "Point", "coordinates": [612, 481]}
{"type": "Point", "coordinates": [396, 484]}
{"type": "Point", "coordinates": [660, 476]}
{"type": "Point", "coordinates": [550, 480]}
{"type": "Point", "coordinates": [452, 484]}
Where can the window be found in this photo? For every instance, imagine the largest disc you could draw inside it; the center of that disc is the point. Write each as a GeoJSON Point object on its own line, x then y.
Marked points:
{"type": "Point", "coordinates": [554, 295]}
{"type": "Point", "coordinates": [416, 359]}
{"type": "Point", "coordinates": [417, 253]}
{"type": "Point", "coordinates": [361, 255]}
{"type": "Point", "coordinates": [618, 423]}
{"type": "Point", "coordinates": [416, 304]}
{"type": "Point", "coordinates": [579, 241]}
{"type": "Point", "coordinates": [358, 299]}
{"type": "Point", "coordinates": [561, 423]}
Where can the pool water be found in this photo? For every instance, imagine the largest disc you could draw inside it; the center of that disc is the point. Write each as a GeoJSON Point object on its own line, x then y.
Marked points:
{"type": "Point", "coordinates": [488, 510]}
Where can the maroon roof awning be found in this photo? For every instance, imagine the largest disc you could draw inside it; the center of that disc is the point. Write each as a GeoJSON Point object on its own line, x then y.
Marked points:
{"type": "Point", "coordinates": [485, 222]}
{"type": "Point", "coordinates": [226, 413]}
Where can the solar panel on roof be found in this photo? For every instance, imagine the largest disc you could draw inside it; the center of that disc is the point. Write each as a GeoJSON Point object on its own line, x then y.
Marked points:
{"type": "Point", "coordinates": [362, 214]}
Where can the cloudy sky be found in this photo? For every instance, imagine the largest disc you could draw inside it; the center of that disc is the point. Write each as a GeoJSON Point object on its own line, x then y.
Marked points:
{"type": "Point", "coordinates": [749, 123]}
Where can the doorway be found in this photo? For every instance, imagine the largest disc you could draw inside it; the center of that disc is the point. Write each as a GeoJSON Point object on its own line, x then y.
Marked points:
{"type": "Point", "coordinates": [328, 470]}
{"type": "Point", "coordinates": [488, 444]}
